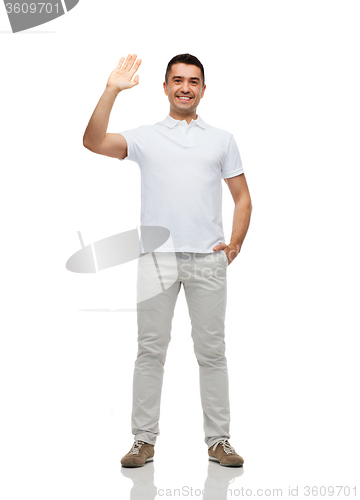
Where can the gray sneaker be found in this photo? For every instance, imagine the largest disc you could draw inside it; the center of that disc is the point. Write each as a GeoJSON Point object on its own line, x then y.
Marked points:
{"type": "Point", "coordinates": [139, 455]}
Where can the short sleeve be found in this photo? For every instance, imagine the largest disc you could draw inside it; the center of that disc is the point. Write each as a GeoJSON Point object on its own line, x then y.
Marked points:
{"type": "Point", "coordinates": [232, 164]}
{"type": "Point", "coordinates": [135, 143]}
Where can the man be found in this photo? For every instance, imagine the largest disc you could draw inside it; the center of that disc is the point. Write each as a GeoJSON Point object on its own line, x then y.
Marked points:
{"type": "Point", "coordinates": [182, 161]}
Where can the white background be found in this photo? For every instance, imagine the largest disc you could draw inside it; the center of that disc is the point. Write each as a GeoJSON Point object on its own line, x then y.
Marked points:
{"type": "Point", "coordinates": [283, 77]}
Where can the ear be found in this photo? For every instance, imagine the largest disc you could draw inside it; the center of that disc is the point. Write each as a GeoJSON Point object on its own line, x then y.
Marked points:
{"type": "Point", "coordinates": [203, 91]}
{"type": "Point", "coordinates": [165, 88]}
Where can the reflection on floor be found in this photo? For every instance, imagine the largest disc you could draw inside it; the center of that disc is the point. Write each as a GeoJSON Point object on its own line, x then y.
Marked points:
{"type": "Point", "coordinates": [215, 486]}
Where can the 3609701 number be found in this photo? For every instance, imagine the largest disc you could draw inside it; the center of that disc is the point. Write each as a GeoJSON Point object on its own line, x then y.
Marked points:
{"type": "Point", "coordinates": [32, 8]}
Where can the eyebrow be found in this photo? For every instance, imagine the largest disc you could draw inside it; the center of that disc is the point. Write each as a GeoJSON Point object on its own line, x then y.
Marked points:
{"type": "Point", "coordinates": [191, 78]}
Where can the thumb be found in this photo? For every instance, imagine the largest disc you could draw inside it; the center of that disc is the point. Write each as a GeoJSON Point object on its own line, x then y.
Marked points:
{"type": "Point", "coordinates": [136, 80]}
{"type": "Point", "coordinates": [220, 246]}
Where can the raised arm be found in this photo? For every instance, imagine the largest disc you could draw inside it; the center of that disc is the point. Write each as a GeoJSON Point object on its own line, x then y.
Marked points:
{"type": "Point", "coordinates": [96, 138]}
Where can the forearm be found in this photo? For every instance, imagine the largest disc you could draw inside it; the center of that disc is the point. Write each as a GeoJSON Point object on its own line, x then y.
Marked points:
{"type": "Point", "coordinates": [241, 222]}
{"type": "Point", "coordinates": [99, 121]}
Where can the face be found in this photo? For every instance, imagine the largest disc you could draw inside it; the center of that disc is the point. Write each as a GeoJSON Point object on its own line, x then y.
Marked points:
{"type": "Point", "coordinates": [184, 90]}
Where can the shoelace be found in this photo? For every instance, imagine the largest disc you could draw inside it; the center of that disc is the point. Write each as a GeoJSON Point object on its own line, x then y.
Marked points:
{"type": "Point", "coordinates": [226, 445]}
{"type": "Point", "coordinates": [136, 447]}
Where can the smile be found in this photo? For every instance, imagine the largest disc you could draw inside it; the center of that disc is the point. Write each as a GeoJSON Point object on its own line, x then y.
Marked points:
{"type": "Point", "coordinates": [184, 98]}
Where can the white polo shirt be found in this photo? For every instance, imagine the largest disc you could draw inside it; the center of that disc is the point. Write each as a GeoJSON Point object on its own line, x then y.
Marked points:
{"type": "Point", "coordinates": [182, 167]}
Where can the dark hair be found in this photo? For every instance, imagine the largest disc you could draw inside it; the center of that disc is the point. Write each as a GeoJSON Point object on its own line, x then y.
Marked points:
{"type": "Point", "coordinates": [186, 59]}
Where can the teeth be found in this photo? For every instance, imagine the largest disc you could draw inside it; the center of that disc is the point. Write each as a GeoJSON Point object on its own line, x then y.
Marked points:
{"type": "Point", "coordinates": [184, 98]}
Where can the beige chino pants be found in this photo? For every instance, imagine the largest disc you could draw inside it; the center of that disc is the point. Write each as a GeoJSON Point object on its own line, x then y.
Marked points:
{"type": "Point", "coordinates": [159, 280]}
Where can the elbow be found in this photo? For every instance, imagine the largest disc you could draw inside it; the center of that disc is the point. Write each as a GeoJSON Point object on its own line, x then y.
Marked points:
{"type": "Point", "coordinates": [244, 202]}
{"type": "Point", "coordinates": [86, 143]}
{"type": "Point", "coordinates": [90, 146]}
{"type": "Point", "coordinates": [94, 147]}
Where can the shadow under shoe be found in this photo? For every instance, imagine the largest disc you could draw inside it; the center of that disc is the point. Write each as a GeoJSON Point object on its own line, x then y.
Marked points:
{"type": "Point", "coordinates": [139, 455]}
{"type": "Point", "coordinates": [223, 453]}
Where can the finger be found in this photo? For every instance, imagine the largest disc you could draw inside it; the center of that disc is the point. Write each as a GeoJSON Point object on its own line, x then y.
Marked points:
{"type": "Point", "coordinates": [120, 62]}
{"type": "Point", "coordinates": [135, 81]}
{"type": "Point", "coordinates": [220, 246]}
{"type": "Point", "coordinates": [127, 60]}
{"type": "Point", "coordinates": [131, 63]}
{"type": "Point", "coordinates": [136, 67]}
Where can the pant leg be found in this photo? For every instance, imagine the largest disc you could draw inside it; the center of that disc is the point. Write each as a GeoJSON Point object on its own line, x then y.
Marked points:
{"type": "Point", "coordinates": [206, 296]}
{"type": "Point", "coordinates": [158, 281]}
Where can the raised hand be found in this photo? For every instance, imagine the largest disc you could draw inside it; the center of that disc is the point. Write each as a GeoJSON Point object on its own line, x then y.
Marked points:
{"type": "Point", "coordinates": [122, 76]}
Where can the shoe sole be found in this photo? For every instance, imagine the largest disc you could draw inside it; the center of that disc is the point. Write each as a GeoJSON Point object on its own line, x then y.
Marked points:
{"type": "Point", "coordinates": [141, 465]}
{"type": "Point", "coordinates": [213, 459]}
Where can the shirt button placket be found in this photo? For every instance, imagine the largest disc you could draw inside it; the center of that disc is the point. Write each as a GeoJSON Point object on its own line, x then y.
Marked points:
{"type": "Point", "coordinates": [189, 139]}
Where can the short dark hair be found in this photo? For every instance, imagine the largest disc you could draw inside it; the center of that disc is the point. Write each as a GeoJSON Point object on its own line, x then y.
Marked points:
{"type": "Point", "coordinates": [186, 59]}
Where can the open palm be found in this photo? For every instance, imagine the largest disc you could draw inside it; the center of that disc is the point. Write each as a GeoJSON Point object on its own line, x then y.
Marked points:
{"type": "Point", "coordinates": [122, 76]}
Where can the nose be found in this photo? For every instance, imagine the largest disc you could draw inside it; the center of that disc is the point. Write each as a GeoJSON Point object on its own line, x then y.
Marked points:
{"type": "Point", "coordinates": [185, 87]}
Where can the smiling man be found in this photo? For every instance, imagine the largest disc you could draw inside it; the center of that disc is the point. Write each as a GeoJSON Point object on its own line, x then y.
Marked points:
{"type": "Point", "coordinates": [184, 85]}
{"type": "Point", "coordinates": [182, 160]}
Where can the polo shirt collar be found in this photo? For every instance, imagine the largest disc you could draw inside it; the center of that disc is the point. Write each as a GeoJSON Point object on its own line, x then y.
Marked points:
{"type": "Point", "coordinates": [172, 122]}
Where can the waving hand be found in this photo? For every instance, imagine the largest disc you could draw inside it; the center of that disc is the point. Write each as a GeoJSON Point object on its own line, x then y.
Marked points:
{"type": "Point", "coordinates": [122, 76]}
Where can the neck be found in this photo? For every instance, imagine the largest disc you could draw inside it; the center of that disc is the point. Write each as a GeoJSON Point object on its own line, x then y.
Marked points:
{"type": "Point", "coordinates": [187, 117]}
